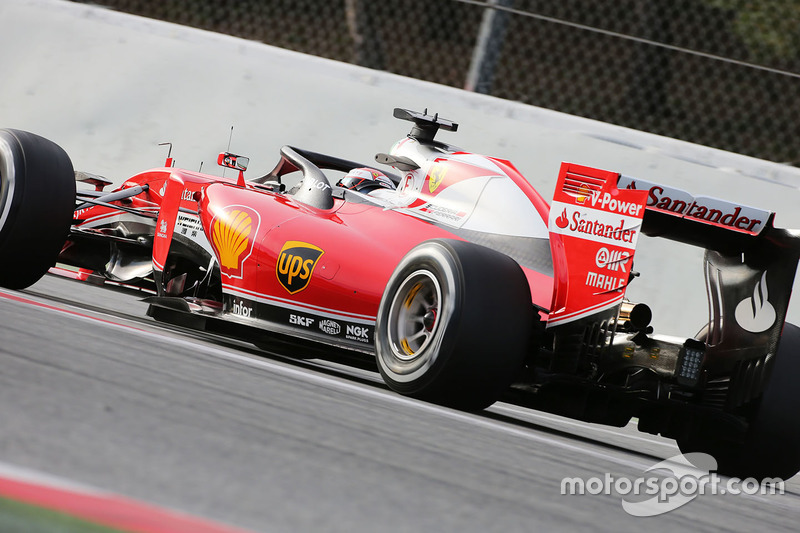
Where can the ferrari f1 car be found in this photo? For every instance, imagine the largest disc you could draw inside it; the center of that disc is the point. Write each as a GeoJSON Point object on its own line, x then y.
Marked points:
{"type": "Point", "coordinates": [461, 283]}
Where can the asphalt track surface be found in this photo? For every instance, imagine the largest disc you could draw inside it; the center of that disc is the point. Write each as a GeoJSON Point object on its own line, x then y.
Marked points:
{"type": "Point", "coordinates": [93, 391]}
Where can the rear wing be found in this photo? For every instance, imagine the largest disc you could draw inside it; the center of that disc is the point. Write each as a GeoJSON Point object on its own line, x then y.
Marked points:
{"type": "Point", "coordinates": [749, 269]}
{"type": "Point", "coordinates": [699, 220]}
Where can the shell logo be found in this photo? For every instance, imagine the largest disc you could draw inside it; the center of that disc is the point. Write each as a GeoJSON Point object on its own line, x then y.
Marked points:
{"type": "Point", "coordinates": [233, 232]}
{"type": "Point", "coordinates": [584, 193]}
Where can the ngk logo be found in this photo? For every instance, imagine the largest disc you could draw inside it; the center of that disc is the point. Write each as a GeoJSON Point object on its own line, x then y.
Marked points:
{"type": "Point", "coordinates": [357, 333]}
{"type": "Point", "coordinates": [612, 260]}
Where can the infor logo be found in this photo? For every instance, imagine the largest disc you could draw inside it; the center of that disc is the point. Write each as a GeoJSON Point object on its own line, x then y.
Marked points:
{"type": "Point", "coordinates": [295, 265]}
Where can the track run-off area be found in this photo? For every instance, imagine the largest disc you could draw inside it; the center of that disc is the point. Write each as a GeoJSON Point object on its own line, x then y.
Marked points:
{"type": "Point", "coordinates": [95, 393]}
{"type": "Point", "coordinates": [97, 398]}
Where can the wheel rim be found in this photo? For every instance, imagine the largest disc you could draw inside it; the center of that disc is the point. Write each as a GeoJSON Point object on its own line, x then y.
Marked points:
{"type": "Point", "coordinates": [414, 317]}
{"type": "Point", "coordinates": [6, 180]}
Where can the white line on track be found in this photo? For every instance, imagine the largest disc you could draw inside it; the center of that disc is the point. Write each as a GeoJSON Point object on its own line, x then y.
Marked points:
{"type": "Point", "coordinates": [28, 475]}
{"type": "Point", "coordinates": [585, 449]}
{"type": "Point", "coordinates": [543, 418]}
{"type": "Point", "coordinates": [336, 383]}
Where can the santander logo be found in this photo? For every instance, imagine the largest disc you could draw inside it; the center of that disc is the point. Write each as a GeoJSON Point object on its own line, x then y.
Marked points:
{"type": "Point", "coordinates": [701, 208]}
{"type": "Point", "coordinates": [598, 226]}
{"type": "Point", "coordinates": [562, 221]}
{"type": "Point", "coordinates": [756, 314]}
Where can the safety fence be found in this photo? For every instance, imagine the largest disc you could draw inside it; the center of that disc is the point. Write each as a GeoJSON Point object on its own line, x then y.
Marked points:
{"type": "Point", "coordinates": [723, 73]}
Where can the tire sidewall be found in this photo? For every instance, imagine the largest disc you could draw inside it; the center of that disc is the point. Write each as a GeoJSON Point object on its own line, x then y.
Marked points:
{"type": "Point", "coordinates": [770, 448]}
{"type": "Point", "coordinates": [38, 202]}
{"type": "Point", "coordinates": [773, 440]}
{"type": "Point", "coordinates": [11, 187]}
{"type": "Point", "coordinates": [438, 260]}
{"type": "Point", "coordinates": [483, 335]}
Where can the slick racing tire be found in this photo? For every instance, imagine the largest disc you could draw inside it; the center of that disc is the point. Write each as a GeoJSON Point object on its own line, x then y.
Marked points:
{"type": "Point", "coordinates": [771, 446]}
{"type": "Point", "coordinates": [453, 324]}
{"type": "Point", "coordinates": [37, 201]}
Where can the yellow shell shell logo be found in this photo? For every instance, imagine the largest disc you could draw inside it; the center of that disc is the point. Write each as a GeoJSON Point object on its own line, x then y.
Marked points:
{"type": "Point", "coordinates": [584, 193]}
{"type": "Point", "coordinates": [232, 233]}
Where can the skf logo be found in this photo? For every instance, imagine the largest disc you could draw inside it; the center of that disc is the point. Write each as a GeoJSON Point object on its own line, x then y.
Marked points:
{"type": "Point", "coordinates": [435, 176]}
{"type": "Point", "coordinates": [301, 320]}
{"type": "Point", "coordinates": [233, 231]}
{"type": "Point", "coordinates": [295, 265]}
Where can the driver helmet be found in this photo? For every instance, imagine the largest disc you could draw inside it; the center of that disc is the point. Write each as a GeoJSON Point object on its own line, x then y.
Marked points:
{"type": "Point", "coordinates": [365, 180]}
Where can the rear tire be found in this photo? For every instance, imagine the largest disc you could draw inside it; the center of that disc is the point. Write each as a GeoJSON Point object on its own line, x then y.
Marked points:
{"type": "Point", "coordinates": [453, 325]}
{"type": "Point", "coordinates": [37, 201]}
{"type": "Point", "coordinates": [771, 446]}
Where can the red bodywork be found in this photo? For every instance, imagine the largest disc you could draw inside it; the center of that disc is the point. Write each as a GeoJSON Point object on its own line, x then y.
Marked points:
{"type": "Point", "coordinates": [291, 267]}
{"type": "Point", "coordinates": [324, 263]}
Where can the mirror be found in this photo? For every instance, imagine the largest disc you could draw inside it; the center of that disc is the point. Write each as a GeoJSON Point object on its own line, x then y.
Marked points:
{"type": "Point", "coordinates": [229, 160]}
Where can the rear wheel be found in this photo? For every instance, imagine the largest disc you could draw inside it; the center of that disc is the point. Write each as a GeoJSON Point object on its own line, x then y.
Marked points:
{"type": "Point", "coordinates": [37, 201]}
{"type": "Point", "coordinates": [771, 446]}
{"type": "Point", "coordinates": [453, 324]}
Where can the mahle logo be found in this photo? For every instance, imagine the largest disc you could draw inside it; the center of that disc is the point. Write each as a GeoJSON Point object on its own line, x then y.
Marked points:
{"type": "Point", "coordinates": [232, 235]}
{"type": "Point", "coordinates": [295, 265]}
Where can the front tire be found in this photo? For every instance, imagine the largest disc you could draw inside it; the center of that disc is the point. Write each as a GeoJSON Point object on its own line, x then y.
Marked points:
{"type": "Point", "coordinates": [453, 324]}
{"type": "Point", "coordinates": [37, 201]}
{"type": "Point", "coordinates": [771, 446]}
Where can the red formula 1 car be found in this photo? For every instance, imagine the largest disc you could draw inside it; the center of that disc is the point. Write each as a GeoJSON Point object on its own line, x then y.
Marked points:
{"type": "Point", "coordinates": [451, 272]}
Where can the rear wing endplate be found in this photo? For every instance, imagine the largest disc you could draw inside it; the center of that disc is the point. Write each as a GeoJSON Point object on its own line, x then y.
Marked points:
{"type": "Point", "coordinates": [749, 268]}
{"type": "Point", "coordinates": [594, 227]}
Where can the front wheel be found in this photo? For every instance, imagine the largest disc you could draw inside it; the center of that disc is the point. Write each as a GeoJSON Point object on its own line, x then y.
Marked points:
{"type": "Point", "coordinates": [37, 201]}
{"type": "Point", "coordinates": [771, 446]}
{"type": "Point", "coordinates": [453, 324]}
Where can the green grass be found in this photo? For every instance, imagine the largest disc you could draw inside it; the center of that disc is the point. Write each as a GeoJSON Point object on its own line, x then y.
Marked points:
{"type": "Point", "coordinates": [16, 517]}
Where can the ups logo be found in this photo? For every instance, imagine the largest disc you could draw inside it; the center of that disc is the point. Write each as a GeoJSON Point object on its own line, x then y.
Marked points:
{"type": "Point", "coordinates": [295, 265]}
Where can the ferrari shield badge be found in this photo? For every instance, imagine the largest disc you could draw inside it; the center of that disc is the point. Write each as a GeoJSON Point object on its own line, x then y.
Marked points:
{"type": "Point", "coordinates": [295, 265]}
{"type": "Point", "coordinates": [436, 176]}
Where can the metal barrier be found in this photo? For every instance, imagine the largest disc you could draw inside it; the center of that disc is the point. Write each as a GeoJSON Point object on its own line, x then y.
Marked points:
{"type": "Point", "coordinates": [723, 73]}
